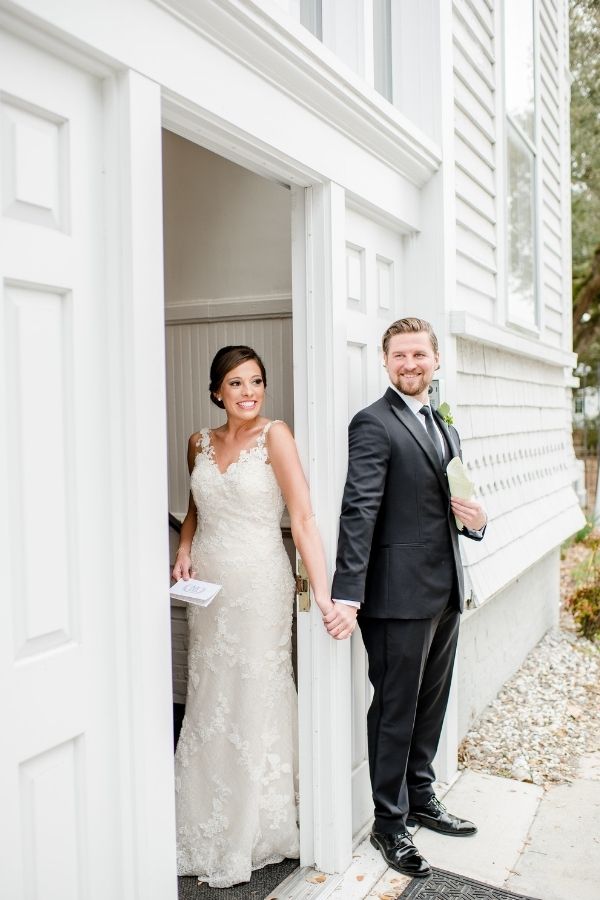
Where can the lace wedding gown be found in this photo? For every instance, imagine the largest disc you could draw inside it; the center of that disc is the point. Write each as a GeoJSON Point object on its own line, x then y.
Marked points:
{"type": "Point", "coordinates": [235, 765]}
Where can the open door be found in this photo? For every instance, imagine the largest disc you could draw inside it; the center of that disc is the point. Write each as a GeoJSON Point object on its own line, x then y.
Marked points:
{"type": "Point", "coordinates": [374, 282]}
{"type": "Point", "coordinates": [81, 766]}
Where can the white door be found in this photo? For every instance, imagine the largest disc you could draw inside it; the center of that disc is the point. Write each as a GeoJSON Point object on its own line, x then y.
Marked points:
{"type": "Point", "coordinates": [69, 777]}
{"type": "Point", "coordinates": [349, 270]}
{"type": "Point", "coordinates": [373, 300]}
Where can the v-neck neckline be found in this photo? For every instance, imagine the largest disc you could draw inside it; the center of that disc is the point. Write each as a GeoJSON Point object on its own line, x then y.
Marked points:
{"type": "Point", "coordinates": [212, 456]}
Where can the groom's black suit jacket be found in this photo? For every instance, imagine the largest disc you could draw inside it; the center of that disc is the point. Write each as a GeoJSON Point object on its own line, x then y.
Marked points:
{"type": "Point", "coordinates": [398, 553]}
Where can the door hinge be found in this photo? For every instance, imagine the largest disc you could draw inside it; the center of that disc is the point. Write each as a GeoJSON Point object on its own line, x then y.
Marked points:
{"type": "Point", "coordinates": [302, 588]}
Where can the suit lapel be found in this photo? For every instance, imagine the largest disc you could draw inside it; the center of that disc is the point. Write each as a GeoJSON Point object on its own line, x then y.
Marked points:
{"type": "Point", "coordinates": [407, 418]}
{"type": "Point", "coordinates": [451, 440]}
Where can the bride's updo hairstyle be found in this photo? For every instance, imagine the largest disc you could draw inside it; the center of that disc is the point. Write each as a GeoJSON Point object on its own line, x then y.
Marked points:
{"type": "Point", "coordinates": [226, 359]}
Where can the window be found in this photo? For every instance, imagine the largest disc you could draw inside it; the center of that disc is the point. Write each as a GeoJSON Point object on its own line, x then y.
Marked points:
{"type": "Point", "coordinates": [382, 47]}
{"type": "Point", "coordinates": [311, 16]}
{"type": "Point", "coordinates": [519, 81]}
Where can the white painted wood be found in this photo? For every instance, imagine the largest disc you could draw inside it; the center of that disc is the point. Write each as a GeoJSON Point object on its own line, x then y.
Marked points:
{"type": "Point", "coordinates": [517, 446]}
{"type": "Point", "coordinates": [42, 656]}
{"type": "Point", "coordinates": [222, 309]}
{"type": "Point", "coordinates": [287, 63]}
{"type": "Point", "coordinates": [68, 795]}
{"type": "Point", "coordinates": [305, 622]}
{"type": "Point", "coordinates": [324, 666]}
{"type": "Point", "coordinates": [414, 36]}
{"type": "Point", "coordinates": [475, 156]}
{"type": "Point", "coordinates": [138, 460]}
{"type": "Point", "coordinates": [470, 326]}
{"type": "Point", "coordinates": [375, 297]}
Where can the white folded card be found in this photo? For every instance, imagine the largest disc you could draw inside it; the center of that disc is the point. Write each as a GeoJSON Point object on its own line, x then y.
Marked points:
{"type": "Point", "coordinates": [459, 483]}
{"type": "Point", "coordinates": [200, 593]}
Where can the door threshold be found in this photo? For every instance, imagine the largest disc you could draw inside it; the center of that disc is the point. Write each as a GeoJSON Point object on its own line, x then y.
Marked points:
{"type": "Point", "coordinates": [366, 871]}
{"type": "Point", "coordinates": [356, 882]}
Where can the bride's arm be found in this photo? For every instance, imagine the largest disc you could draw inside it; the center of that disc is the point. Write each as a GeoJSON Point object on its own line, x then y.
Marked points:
{"type": "Point", "coordinates": [287, 468]}
{"type": "Point", "coordinates": [183, 561]}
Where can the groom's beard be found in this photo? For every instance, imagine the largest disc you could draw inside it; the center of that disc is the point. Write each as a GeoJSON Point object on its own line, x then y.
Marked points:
{"type": "Point", "coordinates": [411, 386]}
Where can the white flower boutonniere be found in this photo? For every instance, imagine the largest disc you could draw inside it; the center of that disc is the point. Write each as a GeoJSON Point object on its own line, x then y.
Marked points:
{"type": "Point", "coordinates": [444, 411]}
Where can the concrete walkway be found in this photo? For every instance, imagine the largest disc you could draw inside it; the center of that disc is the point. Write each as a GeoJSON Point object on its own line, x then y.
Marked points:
{"type": "Point", "coordinates": [541, 843]}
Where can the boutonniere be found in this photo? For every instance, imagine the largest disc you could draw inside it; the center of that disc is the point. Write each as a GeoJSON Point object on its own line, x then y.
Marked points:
{"type": "Point", "coordinates": [444, 411]}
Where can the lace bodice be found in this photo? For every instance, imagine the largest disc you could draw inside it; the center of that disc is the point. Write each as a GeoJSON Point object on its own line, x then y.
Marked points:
{"type": "Point", "coordinates": [245, 493]}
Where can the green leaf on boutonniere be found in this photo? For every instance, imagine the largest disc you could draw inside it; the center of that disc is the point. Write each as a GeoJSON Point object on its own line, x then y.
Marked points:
{"type": "Point", "coordinates": [444, 411]}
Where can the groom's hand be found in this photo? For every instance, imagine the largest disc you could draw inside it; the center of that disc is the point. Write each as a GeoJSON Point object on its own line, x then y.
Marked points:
{"type": "Point", "coordinates": [340, 622]}
{"type": "Point", "coordinates": [470, 512]}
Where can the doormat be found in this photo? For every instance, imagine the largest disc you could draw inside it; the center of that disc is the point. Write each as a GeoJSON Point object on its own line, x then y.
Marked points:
{"type": "Point", "coordinates": [442, 885]}
{"type": "Point", "coordinates": [260, 885]}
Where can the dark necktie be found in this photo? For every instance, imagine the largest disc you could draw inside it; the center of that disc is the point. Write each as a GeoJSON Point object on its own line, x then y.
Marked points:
{"type": "Point", "coordinates": [426, 412]}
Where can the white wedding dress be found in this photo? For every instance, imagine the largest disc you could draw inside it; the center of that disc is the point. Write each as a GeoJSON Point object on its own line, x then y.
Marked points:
{"type": "Point", "coordinates": [236, 760]}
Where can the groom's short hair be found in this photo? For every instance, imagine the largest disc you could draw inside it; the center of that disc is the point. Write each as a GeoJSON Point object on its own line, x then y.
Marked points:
{"type": "Point", "coordinates": [406, 326]}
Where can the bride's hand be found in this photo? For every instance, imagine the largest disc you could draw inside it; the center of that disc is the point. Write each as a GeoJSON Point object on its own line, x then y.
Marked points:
{"type": "Point", "coordinates": [183, 566]}
{"type": "Point", "coordinates": [325, 604]}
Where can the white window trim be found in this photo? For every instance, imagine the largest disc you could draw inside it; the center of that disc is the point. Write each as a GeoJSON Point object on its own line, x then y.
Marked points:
{"type": "Point", "coordinates": [532, 329]}
{"type": "Point", "coordinates": [285, 53]}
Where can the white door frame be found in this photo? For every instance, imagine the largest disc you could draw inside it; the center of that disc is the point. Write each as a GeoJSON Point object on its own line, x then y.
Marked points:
{"type": "Point", "coordinates": [318, 291]}
{"type": "Point", "coordinates": [318, 278]}
{"type": "Point", "coordinates": [139, 460]}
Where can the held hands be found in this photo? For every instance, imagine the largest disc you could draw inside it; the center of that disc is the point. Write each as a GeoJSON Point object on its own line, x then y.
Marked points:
{"type": "Point", "coordinates": [340, 621]}
{"type": "Point", "coordinates": [470, 512]}
{"type": "Point", "coordinates": [183, 566]}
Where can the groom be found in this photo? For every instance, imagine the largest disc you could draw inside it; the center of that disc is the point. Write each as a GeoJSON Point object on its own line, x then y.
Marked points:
{"type": "Point", "coordinates": [399, 563]}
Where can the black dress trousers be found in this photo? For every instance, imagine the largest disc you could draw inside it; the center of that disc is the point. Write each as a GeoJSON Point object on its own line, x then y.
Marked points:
{"type": "Point", "coordinates": [410, 668]}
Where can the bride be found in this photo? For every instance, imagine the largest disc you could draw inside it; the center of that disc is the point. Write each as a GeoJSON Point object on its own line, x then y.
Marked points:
{"type": "Point", "coordinates": [235, 765]}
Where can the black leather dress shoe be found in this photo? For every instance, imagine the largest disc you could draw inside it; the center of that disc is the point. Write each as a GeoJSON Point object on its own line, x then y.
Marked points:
{"type": "Point", "coordinates": [400, 853]}
{"type": "Point", "coordinates": [434, 815]}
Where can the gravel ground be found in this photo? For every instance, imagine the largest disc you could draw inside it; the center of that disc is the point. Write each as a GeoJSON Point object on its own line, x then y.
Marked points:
{"type": "Point", "coordinates": [547, 716]}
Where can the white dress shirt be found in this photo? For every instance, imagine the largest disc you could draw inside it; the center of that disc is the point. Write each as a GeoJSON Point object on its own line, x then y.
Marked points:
{"type": "Point", "coordinates": [415, 405]}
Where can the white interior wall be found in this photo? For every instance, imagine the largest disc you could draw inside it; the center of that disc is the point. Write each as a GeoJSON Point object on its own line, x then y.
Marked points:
{"type": "Point", "coordinates": [227, 231]}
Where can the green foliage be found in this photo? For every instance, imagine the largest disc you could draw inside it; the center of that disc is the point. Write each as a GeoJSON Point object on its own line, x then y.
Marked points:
{"type": "Point", "coordinates": [585, 606]}
{"type": "Point", "coordinates": [584, 16]}
{"type": "Point", "coordinates": [445, 413]}
{"type": "Point", "coordinates": [584, 533]}
{"type": "Point", "coordinates": [584, 603]}
{"type": "Point", "coordinates": [584, 23]}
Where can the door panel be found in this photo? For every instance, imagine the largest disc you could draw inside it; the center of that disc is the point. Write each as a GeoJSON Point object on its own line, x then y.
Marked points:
{"type": "Point", "coordinates": [373, 300]}
{"type": "Point", "coordinates": [60, 827]}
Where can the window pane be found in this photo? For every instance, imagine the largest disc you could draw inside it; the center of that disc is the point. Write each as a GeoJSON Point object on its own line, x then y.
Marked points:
{"type": "Point", "coordinates": [518, 63]}
{"type": "Point", "coordinates": [382, 47]}
{"type": "Point", "coordinates": [521, 231]}
{"type": "Point", "coordinates": [311, 16]}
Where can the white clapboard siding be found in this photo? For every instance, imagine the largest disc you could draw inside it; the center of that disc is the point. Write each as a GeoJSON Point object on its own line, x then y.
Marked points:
{"type": "Point", "coordinates": [190, 347]}
{"type": "Point", "coordinates": [512, 411]}
{"type": "Point", "coordinates": [517, 446]}
{"type": "Point", "coordinates": [474, 151]}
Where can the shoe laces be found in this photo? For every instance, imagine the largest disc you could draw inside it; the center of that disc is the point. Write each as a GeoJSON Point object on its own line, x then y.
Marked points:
{"type": "Point", "coordinates": [437, 804]}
